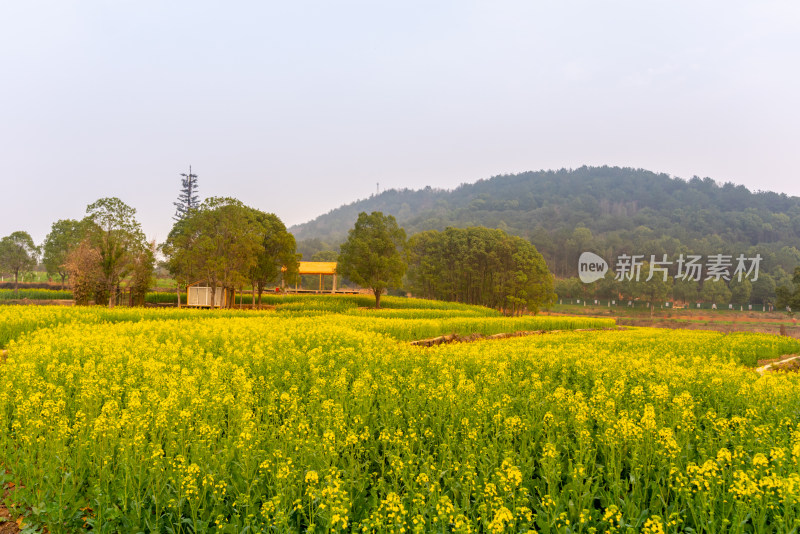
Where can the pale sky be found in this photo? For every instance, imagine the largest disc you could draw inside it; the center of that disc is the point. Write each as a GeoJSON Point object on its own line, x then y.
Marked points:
{"type": "Point", "coordinates": [298, 107]}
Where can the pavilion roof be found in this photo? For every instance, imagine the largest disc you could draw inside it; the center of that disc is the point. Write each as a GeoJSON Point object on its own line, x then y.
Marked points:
{"type": "Point", "coordinates": [317, 267]}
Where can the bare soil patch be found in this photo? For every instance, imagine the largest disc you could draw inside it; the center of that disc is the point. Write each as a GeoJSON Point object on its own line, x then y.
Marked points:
{"type": "Point", "coordinates": [720, 325]}
{"type": "Point", "coordinates": [8, 524]}
{"type": "Point", "coordinates": [457, 338]}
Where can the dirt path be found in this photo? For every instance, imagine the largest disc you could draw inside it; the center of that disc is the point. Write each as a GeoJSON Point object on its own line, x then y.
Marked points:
{"type": "Point", "coordinates": [456, 338]}
{"type": "Point", "coordinates": [790, 362]}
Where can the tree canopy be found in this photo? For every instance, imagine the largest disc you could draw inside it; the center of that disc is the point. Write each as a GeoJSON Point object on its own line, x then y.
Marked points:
{"type": "Point", "coordinates": [112, 230]}
{"type": "Point", "coordinates": [64, 235]}
{"type": "Point", "coordinates": [479, 266]}
{"type": "Point", "coordinates": [606, 210]}
{"type": "Point", "coordinates": [227, 244]}
{"type": "Point", "coordinates": [277, 256]}
{"type": "Point", "coordinates": [18, 253]}
{"type": "Point", "coordinates": [372, 256]}
{"type": "Point", "coordinates": [789, 295]}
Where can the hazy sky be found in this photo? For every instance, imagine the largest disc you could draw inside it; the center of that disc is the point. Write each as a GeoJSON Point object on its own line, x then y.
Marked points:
{"type": "Point", "coordinates": [298, 107]}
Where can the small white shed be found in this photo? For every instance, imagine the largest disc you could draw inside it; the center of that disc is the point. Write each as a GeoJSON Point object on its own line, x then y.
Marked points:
{"type": "Point", "coordinates": [198, 295]}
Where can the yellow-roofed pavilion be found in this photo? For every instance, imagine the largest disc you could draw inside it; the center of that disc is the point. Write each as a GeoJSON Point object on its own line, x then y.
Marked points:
{"type": "Point", "coordinates": [321, 268]}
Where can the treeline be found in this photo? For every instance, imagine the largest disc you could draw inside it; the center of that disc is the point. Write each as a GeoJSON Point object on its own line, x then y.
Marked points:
{"type": "Point", "coordinates": [656, 290]}
{"type": "Point", "coordinates": [105, 256]}
{"type": "Point", "coordinates": [757, 291]}
{"type": "Point", "coordinates": [101, 254]}
{"type": "Point", "coordinates": [479, 266]}
{"type": "Point", "coordinates": [229, 245]}
{"type": "Point", "coordinates": [609, 210]}
{"type": "Point", "coordinates": [606, 210]}
{"type": "Point", "coordinates": [471, 266]}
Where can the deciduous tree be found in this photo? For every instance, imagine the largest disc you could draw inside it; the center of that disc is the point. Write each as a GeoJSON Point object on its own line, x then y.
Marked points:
{"type": "Point", "coordinates": [142, 274]}
{"type": "Point", "coordinates": [64, 235]}
{"type": "Point", "coordinates": [227, 244]}
{"type": "Point", "coordinates": [372, 256]}
{"type": "Point", "coordinates": [112, 229]}
{"type": "Point", "coordinates": [654, 290]}
{"type": "Point", "coordinates": [685, 290]}
{"type": "Point", "coordinates": [18, 253]}
{"type": "Point", "coordinates": [740, 291]}
{"type": "Point", "coordinates": [790, 296]}
{"type": "Point", "coordinates": [481, 266]}
{"type": "Point", "coordinates": [83, 265]}
{"type": "Point", "coordinates": [715, 292]}
{"type": "Point", "coordinates": [277, 256]}
{"type": "Point", "coordinates": [763, 290]}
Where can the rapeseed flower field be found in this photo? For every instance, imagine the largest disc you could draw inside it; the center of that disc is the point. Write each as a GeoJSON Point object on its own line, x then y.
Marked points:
{"type": "Point", "coordinates": [190, 421]}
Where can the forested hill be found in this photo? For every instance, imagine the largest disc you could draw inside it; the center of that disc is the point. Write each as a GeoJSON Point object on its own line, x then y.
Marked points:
{"type": "Point", "coordinates": [607, 209]}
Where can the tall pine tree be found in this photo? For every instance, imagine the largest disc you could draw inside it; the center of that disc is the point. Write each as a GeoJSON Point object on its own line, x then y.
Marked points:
{"type": "Point", "coordinates": [188, 199]}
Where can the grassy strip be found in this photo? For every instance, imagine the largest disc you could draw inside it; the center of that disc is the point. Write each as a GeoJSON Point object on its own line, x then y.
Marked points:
{"type": "Point", "coordinates": [35, 294]}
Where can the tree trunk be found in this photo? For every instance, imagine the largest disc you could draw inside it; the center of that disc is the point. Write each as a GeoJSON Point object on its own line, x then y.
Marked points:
{"type": "Point", "coordinates": [16, 283]}
{"type": "Point", "coordinates": [63, 278]}
{"type": "Point", "coordinates": [253, 298]}
{"type": "Point", "coordinates": [178, 293]}
{"type": "Point", "coordinates": [111, 296]}
{"type": "Point", "coordinates": [377, 298]}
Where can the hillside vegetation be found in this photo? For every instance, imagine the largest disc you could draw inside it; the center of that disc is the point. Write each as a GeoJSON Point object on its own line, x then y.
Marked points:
{"type": "Point", "coordinates": [608, 210]}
